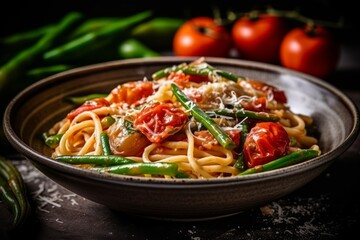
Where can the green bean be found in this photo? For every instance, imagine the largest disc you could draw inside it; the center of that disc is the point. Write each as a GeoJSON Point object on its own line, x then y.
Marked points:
{"type": "Point", "coordinates": [27, 37]}
{"type": "Point", "coordinates": [240, 161]}
{"type": "Point", "coordinates": [107, 121]}
{"type": "Point", "coordinates": [96, 39]}
{"type": "Point", "coordinates": [197, 70]}
{"type": "Point", "coordinates": [105, 160]}
{"type": "Point", "coordinates": [15, 182]}
{"type": "Point", "coordinates": [219, 134]}
{"type": "Point", "coordinates": [11, 71]}
{"type": "Point", "coordinates": [242, 113]}
{"type": "Point", "coordinates": [42, 72]}
{"type": "Point", "coordinates": [290, 159]}
{"type": "Point", "coordinates": [51, 140]}
{"type": "Point", "coordinates": [133, 169]}
{"type": "Point", "coordinates": [81, 99]}
{"type": "Point", "coordinates": [105, 146]}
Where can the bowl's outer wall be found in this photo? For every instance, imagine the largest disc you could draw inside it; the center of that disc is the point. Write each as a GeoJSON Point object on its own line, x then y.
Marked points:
{"type": "Point", "coordinates": [38, 107]}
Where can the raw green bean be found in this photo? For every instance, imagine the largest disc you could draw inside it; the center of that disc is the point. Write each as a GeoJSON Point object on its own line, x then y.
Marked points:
{"type": "Point", "coordinates": [134, 169]}
{"type": "Point", "coordinates": [24, 38]}
{"type": "Point", "coordinates": [42, 72]}
{"type": "Point", "coordinates": [105, 146]}
{"type": "Point", "coordinates": [292, 158]}
{"type": "Point", "coordinates": [11, 71]}
{"type": "Point", "coordinates": [96, 39]}
{"type": "Point", "coordinates": [105, 160]}
{"type": "Point", "coordinates": [219, 134]}
{"type": "Point", "coordinates": [81, 99]}
{"type": "Point", "coordinates": [242, 113]}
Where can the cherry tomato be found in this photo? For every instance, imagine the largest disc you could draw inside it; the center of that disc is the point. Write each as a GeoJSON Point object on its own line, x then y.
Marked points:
{"type": "Point", "coordinates": [202, 36]}
{"type": "Point", "coordinates": [88, 106]}
{"type": "Point", "coordinates": [259, 38]}
{"type": "Point", "coordinates": [132, 93]}
{"type": "Point", "coordinates": [160, 120]}
{"type": "Point", "coordinates": [265, 142]}
{"type": "Point", "coordinates": [314, 51]}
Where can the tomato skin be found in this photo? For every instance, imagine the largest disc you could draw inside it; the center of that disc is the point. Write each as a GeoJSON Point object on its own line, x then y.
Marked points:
{"type": "Point", "coordinates": [313, 52]}
{"type": "Point", "coordinates": [259, 39]}
{"type": "Point", "coordinates": [132, 93]}
{"type": "Point", "coordinates": [88, 106]}
{"type": "Point", "coordinates": [160, 120]}
{"type": "Point", "coordinates": [265, 142]}
{"type": "Point", "coordinates": [277, 94]}
{"type": "Point", "coordinates": [202, 36]}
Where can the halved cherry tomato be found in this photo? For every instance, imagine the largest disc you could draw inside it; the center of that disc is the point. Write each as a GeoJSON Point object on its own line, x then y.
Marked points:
{"type": "Point", "coordinates": [132, 93]}
{"type": "Point", "coordinates": [270, 90]}
{"type": "Point", "coordinates": [258, 38]}
{"type": "Point", "coordinates": [265, 142]}
{"type": "Point", "coordinates": [88, 106]}
{"type": "Point", "coordinates": [312, 50]}
{"type": "Point", "coordinates": [160, 120]}
{"type": "Point", "coordinates": [202, 36]}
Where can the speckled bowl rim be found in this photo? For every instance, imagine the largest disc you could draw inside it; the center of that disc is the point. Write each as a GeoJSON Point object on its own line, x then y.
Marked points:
{"type": "Point", "coordinates": [37, 158]}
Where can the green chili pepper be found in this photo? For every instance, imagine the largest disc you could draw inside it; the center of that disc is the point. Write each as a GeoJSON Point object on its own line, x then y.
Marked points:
{"type": "Point", "coordinates": [292, 158]}
{"type": "Point", "coordinates": [158, 32]}
{"type": "Point", "coordinates": [13, 191]}
{"type": "Point", "coordinates": [219, 134]}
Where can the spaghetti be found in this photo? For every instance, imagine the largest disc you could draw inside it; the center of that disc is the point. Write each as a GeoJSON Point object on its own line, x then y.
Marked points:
{"type": "Point", "coordinates": [148, 123]}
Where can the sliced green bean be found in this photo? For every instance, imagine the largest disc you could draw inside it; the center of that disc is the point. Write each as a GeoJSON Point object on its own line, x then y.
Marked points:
{"type": "Point", "coordinates": [105, 146]}
{"type": "Point", "coordinates": [51, 140]}
{"type": "Point", "coordinates": [290, 159]}
{"type": "Point", "coordinates": [134, 169]}
{"type": "Point", "coordinates": [197, 70]}
{"type": "Point", "coordinates": [242, 113]}
{"type": "Point", "coordinates": [83, 98]}
{"type": "Point", "coordinates": [219, 134]}
{"type": "Point", "coordinates": [107, 121]}
{"type": "Point", "coordinates": [104, 160]}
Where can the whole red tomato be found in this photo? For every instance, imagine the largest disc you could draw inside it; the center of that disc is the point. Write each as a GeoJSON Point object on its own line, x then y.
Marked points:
{"type": "Point", "coordinates": [265, 142]}
{"type": "Point", "coordinates": [312, 50]}
{"type": "Point", "coordinates": [202, 36]}
{"type": "Point", "coordinates": [259, 38]}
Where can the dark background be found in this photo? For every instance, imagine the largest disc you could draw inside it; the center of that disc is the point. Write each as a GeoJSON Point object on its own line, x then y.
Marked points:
{"type": "Point", "coordinates": [16, 16]}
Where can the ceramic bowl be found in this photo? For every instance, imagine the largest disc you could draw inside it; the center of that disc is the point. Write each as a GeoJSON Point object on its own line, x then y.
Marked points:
{"type": "Point", "coordinates": [39, 106]}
